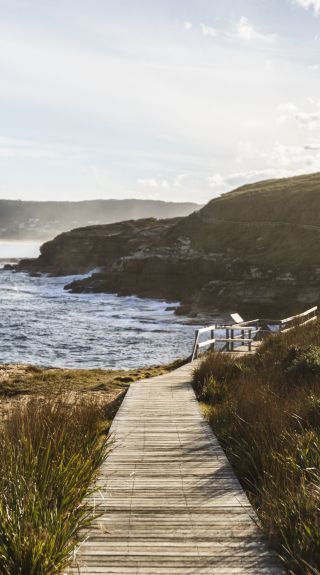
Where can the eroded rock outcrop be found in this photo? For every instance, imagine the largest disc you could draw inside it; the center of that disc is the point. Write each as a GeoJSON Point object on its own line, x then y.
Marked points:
{"type": "Point", "coordinates": [255, 250]}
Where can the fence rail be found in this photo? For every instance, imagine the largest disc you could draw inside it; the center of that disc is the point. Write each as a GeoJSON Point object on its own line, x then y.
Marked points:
{"type": "Point", "coordinates": [242, 335]}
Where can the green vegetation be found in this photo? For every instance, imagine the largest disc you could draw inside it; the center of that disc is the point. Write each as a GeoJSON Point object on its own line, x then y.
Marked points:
{"type": "Point", "coordinates": [53, 439]}
{"type": "Point", "coordinates": [30, 379]}
{"type": "Point", "coordinates": [19, 383]}
{"type": "Point", "coordinates": [50, 454]}
{"type": "Point", "coordinates": [265, 410]}
{"type": "Point", "coordinates": [296, 198]}
{"type": "Point", "coordinates": [269, 223]}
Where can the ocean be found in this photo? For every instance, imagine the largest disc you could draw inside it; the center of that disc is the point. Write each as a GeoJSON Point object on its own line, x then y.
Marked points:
{"type": "Point", "coordinates": [42, 324]}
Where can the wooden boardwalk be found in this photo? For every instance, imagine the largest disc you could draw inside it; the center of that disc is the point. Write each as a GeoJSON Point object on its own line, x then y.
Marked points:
{"type": "Point", "coordinates": [171, 503]}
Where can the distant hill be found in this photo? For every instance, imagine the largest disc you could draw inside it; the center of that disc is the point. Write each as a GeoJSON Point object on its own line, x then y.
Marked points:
{"type": "Point", "coordinates": [254, 250]}
{"type": "Point", "coordinates": [43, 220]}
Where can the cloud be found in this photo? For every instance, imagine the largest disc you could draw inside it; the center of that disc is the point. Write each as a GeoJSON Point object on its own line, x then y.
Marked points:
{"type": "Point", "coordinates": [313, 4]}
{"type": "Point", "coordinates": [277, 161]}
{"type": "Point", "coordinates": [314, 146]}
{"type": "Point", "coordinates": [286, 111]}
{"type": "Point", "coordinates": [178, 180]}
{"type": "Point", "coordinates": [23, 148]}
{"type": "Point", "coordinates": [149, 182]}
{"type": "Point", "coordinates": [287, 160]}
{"type": "Point", "coordinates": [153, 183]}
{"type": "Point", "coordinates": [235, 179]}
{"type": "Point", "coordinates": [208, 30]}
{"type": "Point", "coordinates": [247, 32]}
{"type": "Point", "coordinates": [293, 158]}
{"type": "Point", "coordinates": [149, 119]}
{"type": "Point", "coordinates": [309, 120]}
{"type": "Point", "coordinates": [216, 181]}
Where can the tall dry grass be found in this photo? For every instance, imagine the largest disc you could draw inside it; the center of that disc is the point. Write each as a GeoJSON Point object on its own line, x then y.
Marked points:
{"type": "Point", "coordinates": [265, 410]}
{"type": "Point", "coordinates": [50, 454]}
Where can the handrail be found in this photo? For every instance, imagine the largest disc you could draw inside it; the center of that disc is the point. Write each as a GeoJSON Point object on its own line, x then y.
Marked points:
{"type": "Point", "coordinates": [313, 318]}
{"type": "Point", "coordinates": [303, 314]}
{"type": "Point", "coordinates": [197, 345]}
{"type": "Point", "coordinates": [205, 329]}
{"type": "Point", "coordinates": [252, 327]}
{"type": "Point", "coordinates": [230, 329]}
{"type": "Point", "coordinates": [292, 318]}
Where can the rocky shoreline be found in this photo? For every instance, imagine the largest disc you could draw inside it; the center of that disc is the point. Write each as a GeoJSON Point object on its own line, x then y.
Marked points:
{"type": "Point", "coordinates": [209, 261]}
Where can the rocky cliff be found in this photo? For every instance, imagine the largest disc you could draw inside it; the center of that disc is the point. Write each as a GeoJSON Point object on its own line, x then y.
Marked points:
{"type": "Point", "coordinates": [255, 250]}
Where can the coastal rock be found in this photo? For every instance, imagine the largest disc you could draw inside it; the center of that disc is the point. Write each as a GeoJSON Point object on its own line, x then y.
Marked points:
{"type": "Point", "coordinates": [8, 267]}
{"type": "Point", "coordinates": [254, 250]}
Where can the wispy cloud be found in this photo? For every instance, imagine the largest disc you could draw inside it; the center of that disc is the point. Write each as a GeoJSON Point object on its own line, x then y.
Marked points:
{"type": "Point", "coordinates": [179, 180]}
{"type": "Point", "coordinates": [247, 32]}
{"type": "Point", "coordinates": [208, 30]}
{"type": "Point", "coordinates": [307, 4]}
{"type": "Point", "coordinates": [149, 109]}
{"type": "Point", "coordinates": [163, 183]}
{"type": "Point", "coordinates": [280, 161]}
{"type": "Point", "coordinates": [223, 183]}
{"type": "Point", "coordinates": [153, 183]}
{"type": "Point", "coordinates": [149, 182]}
{"type": "Point", "coordinates": [308, 119]}
{"type": "Point", "coordinates": [23, 148]}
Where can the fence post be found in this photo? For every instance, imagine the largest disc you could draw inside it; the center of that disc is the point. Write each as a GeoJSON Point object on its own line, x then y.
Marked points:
{"type": "Point", "coordinates": [212, 337]}
{"type": "Point", "coordinates": [195, 346]}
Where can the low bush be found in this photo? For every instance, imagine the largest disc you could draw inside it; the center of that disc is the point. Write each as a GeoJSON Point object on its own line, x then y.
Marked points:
{"type": "Point", "coordinates": [303, 362]}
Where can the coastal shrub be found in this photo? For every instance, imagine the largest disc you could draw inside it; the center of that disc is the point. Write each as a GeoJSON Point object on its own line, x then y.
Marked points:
{"type": "Point", "coordinates": [303, 362]}
{"type": "Point", "coordinates": [268, 421]}
{"type": "Point", "coordinates": [50, 453]}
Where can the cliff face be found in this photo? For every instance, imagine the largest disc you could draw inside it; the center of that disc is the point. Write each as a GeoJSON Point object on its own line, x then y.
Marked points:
{"type": "Point", "coordinates": [84, 249]}
{"type": "Point", "coordinates": [255, 250]}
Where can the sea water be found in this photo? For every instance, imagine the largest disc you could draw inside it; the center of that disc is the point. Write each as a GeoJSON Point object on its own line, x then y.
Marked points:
{"type": "Point", "coordinates": [42, 324]}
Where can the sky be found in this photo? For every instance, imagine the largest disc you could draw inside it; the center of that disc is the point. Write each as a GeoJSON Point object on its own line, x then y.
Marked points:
{"type": "Point", "coordinates": [178, 100]}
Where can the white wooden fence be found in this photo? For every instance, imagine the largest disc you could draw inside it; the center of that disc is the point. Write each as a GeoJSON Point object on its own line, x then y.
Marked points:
{"type": "Point", "coordinates": [241, 336]}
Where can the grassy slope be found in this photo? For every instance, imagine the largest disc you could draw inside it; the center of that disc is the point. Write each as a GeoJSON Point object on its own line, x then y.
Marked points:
{"type": "Point", "coordinates": [265, 410]}
{"type": "Point", "coordinates": [21, 382]}
{"type": "Point", "coordinates": [30, 379]}
{"type": "Point", "coordinates": [244, 224]}
{"type": "Point", "coordinates": [293, 200]}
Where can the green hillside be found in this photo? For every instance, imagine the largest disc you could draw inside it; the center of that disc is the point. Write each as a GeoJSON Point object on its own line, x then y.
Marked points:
{"type": "Point", "coordinates": [270, 223]}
